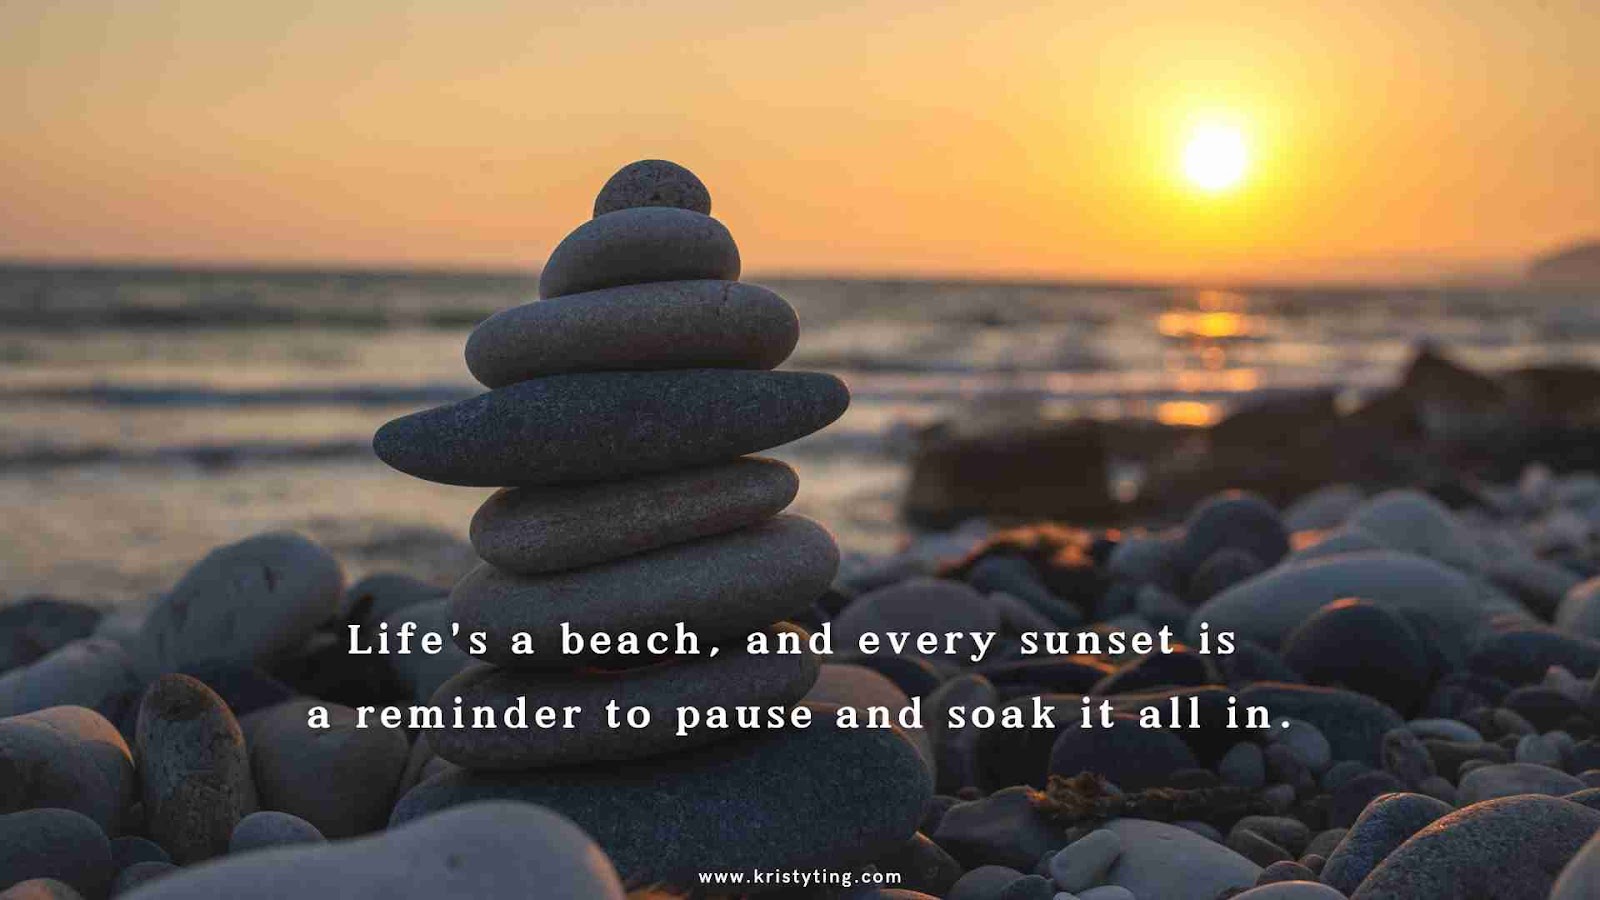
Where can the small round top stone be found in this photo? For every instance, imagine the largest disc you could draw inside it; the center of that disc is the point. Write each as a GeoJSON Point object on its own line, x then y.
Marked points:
{"type": "Point", "coordinates": [653, 182]}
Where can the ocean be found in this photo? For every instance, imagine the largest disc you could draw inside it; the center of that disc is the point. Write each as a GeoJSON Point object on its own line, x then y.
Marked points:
{"type": "Point", "coordinates": [152, 413]}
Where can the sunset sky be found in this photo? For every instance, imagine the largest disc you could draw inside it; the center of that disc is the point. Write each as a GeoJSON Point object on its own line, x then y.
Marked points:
{"type": "Point", "coordinates": [1382, 138]}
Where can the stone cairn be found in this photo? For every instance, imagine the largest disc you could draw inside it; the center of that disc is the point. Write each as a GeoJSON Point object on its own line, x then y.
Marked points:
{"type": "Point", "coordinates": [621, 410]}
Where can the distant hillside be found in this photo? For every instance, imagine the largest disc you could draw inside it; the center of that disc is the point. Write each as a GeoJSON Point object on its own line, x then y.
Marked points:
{"type": "Point", "coordinates": [1579, 262]}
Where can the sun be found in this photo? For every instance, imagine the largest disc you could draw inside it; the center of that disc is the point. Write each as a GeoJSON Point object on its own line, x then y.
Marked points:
{"type": "Point", "coordinates": [1215, 157]}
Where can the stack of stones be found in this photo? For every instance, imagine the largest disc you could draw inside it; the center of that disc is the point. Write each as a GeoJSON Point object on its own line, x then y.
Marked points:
{"type": "Point", "coordinates": [621, 410]}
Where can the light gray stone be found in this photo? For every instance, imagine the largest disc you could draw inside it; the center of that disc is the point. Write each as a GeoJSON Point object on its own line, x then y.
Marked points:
{"type": "Point", "coordinates": [532, 530]}
{"type": "Point", "coordinates": [653, 182]}
{"type": "Point", "coordinates": [341, 779]}
{"type": "Point", "coordinates": [270, 828]}
{"type": "Point", "coordinates": [1083, 863]}
{"type": "Point", "coordinates": [1413, 522]}
{"type": "Point", "coordinates": [97, 673]}
{"type": "Point", "coordinates": [664, 325]}
{"type": "Point", "coordinates": [252, 602]}
{"type": "Point", "coordinates": [1510, 779]}
{"type": "Point", "coordinates": [599, 426]}
{"type": "Point", "coordinates": [640, 245]}
{"type": "Point", "coordinates": [1162, 860]}
{"type": "Point", "coordinates": [194, 769]}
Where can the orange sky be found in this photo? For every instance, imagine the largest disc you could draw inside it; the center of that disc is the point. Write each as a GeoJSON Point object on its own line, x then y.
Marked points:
{"type": "Point", "coordinates": [1389, 137]}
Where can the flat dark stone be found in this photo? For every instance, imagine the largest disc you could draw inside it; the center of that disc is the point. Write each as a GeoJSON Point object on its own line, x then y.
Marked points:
{"type": "Point", "coordinates": [640, 245]}
{"type": "Point", "coordinates": [720, 587]}
{"type": "Point", "coordinates": [733, 677]}
{"type": "Point", "coordinates": [544, 529]}
{"type": "Point", "coordinates": [609, 425]}
{"type": "Point", "coordinates": [664, 325]}
{"type": "Point", "coordinates": [819, 796]}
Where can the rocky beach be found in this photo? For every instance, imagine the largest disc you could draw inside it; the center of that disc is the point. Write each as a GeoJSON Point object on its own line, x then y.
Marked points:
{"type": "Point", "coordinates": [1321, 649]}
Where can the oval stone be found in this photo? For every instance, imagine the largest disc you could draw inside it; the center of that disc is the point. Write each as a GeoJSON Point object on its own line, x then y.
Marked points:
{"type": "Point", "coordinates": [734, 677]}
{"type": "Point", "coordinates": [791, 798]}
{"type": "Point", "coordinates": [194, 767]}
{"type": "Point", "coordinates": [490, 851]}
{"type": "Point", "coordinates": [98, 673]}
{"type": "Point", "coordinates": [665, 325]}
{"type": "Point", "coordinates": [1268, 607]}
{"type": "Point", "coordinates": [545, 529]}
{"type": "Point", "coordinates": [54, 844]}
{"type": "Point", "coordinates": [342, 779]}
{"type": "Point", "coordinates": [1511, 848]}
{"type": "Point", "coordinates": [640, 245]}
{"type": "Point", "coordinates": [66, 757]}
{"type": "Point", "coordinates": [609, 425]}
{"type": "Point", "coordinates": [719, 587]}
{"type": "Point", "coordinates": [251, 602]}
{"type": "Point", "coordinates": [653, 182]}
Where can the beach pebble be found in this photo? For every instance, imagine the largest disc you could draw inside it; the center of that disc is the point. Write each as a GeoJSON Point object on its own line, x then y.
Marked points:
{"type": "Point", "coordinates": [665, 325]}
{"type": "Point", "coordinates": [422, 673]}
{"type": "Point", "coordinates": [194, 768]}
{"type": "Point", "coordinates": [129, 849]}
{"type": "Point", "coordinates": [922, 865]}
{"type": "Point", "coordinates": [1337, 543]}
{"type": "Point", "coordinates": [1325, 508]}
{"type": "Point", "coordinates": [54, 843]}
{"type": "Point", "coordinates": [1288, 833]}
{"type": "Point", "coordinates": [637, 246]}
{"type": "Point", "coordinates": [1352, 723]}
{"type": "Point", "coordinates": [40, 889]}
{"type": "Point", "coordinates": [1250, 662]}
{"type": "Point", "coordinates": [1173, 863]}
{"type": "Point", "coordinates": [342, 779]}
{"type": "Point", "coordinates": [492, 851]}
{"type": "Point", "coordinates": [1003, 829]}
{"type": "Point", "coordinates": [718, 587]}
{"type": "Point", "coordinates": [1509, 779]}
{"type": "Point", "coordinates": [1144, 559]}
{"type": "Point", "coordinates": [1579, 611]}
{"type": "Point", "coordinates": [1267, 608]}
{"type": "Point", "coordinates": [1386, 823]}
{"type": "Point", "coordinates": [376, 597]}
{"type": "Point", "coordinates": [788, 798]}
{"type": "Point", "coordinates": [1291, 890]}
{"type": "Point", "coordinates": [1405, 757]}
{"type": "Point", "coordinates": [1580, 880]}
{"type": "Point", "coordinates": [1028, 887]}
{"type": "Point", "coordinates": [1285, 870]}
{"type": "Point", "coordinates": [734, 677]}
{"type": "Point", "coordinates": [1445, 729]}
{"type": "Point", "coordinates": [543, 529]}
{"type": "Point", "coordinates": [1083, 863]}
{"type": "Point", "coordinates": [653, 182]}
{"type": "Point", "coordinates": [1222, 570]}
{"type": "Point", "coordinates": [1521, 655]}
{"type": "Point", "coordinates": [1000, 573]}
{"type": "Point", "coordinates": [1103, 892]}
{"type": "Point", "coordinates": [1305, 741]}
{"type": "Point", "coordinates": [1232, 520]}
{"type": "Point", "coordinates": [1413, 522]}
{"type": "Point", "coordinates": [1243, 766]}
{"type": "Point", "coordinates": [955, 750]}
{"type": "Point", "coordinates": [1362, 646]}
{"type": "Point", "coordinates": [67, 757]}
{"type": "Point", "coordinates": [244, 688]}
{"type": "Point", "coordinates": [983, 883]}
{"type": "Point", "coordinates": [33, 627]}
{"type": "Point", "coordinates": [140, 873]}
{"type": "Point", "coordinates": [920, 606]}
{"type": "Point", "coordinates": [252, 603]}
{"type": "Point", "coordinates": [1535, 749]}
{"type": "Point", "coordinates": [270, 828]}
{"type": "Point", "coordinates": [1353, 795]}
{"type": "Point", "coordinates": [1130, 756]}
{"type": "Point", "coordinates": [1257, 848]}
{"type": "Point", "coordinates": [609, 425]}
{"type": "Point", "coordinates": [1510, 848]}
{"type": "Point", "coordinates": [97, 673]}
